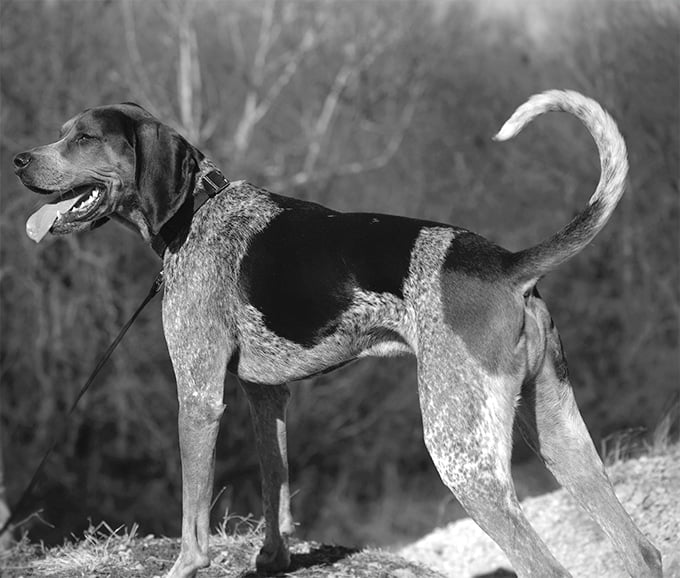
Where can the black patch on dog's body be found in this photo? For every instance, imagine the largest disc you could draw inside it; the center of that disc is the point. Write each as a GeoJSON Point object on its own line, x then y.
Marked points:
{"type": "Point", "coordinates": [302, 270]}
{"type": "Point", "coordinates": [475, 256]}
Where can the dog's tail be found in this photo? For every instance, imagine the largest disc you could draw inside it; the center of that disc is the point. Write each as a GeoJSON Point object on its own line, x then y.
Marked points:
{"type": "Point", "coordinates": [532, 263]}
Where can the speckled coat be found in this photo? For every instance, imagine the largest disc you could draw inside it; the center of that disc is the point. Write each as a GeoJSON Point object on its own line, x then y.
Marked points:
{"type": "Point", "coordinates": [275, 290]}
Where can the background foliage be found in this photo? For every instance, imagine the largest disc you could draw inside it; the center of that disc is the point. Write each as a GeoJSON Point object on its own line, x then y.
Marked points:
{"type": "Point", "coordinates": [382, 106]}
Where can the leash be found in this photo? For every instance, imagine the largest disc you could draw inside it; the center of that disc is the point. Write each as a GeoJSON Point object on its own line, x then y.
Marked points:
{"type": "Point", "coordinates": [21, 503]}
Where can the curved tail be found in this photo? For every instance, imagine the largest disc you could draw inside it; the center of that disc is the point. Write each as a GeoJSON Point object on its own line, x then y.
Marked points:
{"type": "Point", "coordinates": [532, 263]}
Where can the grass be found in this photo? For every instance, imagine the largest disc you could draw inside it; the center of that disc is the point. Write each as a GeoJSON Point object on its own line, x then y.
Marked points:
{"type": "Point", "coordinates": [105, 551]}
{"type": "Point", "coordinates": [101, 548]}
{"type": "Point", "coordinates": [101, 551]}
{"type": "Point", "coordinates": [116, 553]}
{"type": "Point", "coordinates": [636, 442]}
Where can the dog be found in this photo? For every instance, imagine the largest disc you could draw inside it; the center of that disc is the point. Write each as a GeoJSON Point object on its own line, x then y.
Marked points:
{"type": "Point", "coordinates": [274, 290]}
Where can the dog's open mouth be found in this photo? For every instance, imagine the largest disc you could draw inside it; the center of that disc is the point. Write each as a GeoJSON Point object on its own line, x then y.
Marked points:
{"type": "Point", "coordinates": [78, 204]}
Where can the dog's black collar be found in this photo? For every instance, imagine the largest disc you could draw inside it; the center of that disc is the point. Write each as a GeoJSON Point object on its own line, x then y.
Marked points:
{"type": "Point", "coordinates": [210, 185]}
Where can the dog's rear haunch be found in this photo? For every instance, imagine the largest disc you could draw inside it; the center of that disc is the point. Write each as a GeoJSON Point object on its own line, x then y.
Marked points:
{"type": "Point", "coordinates": [275, 290]}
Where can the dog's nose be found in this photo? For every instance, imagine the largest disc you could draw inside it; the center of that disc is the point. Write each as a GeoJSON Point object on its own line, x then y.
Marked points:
{"type": "Point", "coordinates": [22, 160]}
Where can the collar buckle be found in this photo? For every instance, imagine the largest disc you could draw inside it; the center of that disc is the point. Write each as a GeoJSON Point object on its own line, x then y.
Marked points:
{"type": "Point", "coordinates": [216, 182]}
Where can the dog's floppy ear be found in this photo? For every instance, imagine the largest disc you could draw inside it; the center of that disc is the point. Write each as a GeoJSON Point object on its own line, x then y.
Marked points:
{"type": "Point", "coordinates": [165, 169]}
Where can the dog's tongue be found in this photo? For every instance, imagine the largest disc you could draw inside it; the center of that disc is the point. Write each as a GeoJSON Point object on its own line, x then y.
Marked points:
{"type": "Point", "coordinates": [40, 222]}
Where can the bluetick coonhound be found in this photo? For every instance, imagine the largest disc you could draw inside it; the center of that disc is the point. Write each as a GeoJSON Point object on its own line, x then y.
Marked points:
{"type": "Point", "coordinates": [275, 290]}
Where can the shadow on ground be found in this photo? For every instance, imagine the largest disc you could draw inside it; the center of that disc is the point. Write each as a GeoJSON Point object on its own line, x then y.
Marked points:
{"type": "Point", "coordinates": [317, 558]}
{"type": "Point", "coordinates": [498, 573]}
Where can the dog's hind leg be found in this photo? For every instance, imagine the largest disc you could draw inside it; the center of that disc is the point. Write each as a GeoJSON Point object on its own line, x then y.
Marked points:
{"type": "Point", "coordinates": [467, 420]}
{"type": "Point", "coordinates": [268, 410]}
{"type": "Point", "coordinates": [551, 423]}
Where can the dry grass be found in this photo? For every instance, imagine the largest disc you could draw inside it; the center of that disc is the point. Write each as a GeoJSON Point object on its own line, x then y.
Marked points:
{"type": "Point", "coordinates": [117, 553]}
{"type": "Point", "coordinates": [636, 442]}
{"type": "Point", "coordinates": [101, 550]}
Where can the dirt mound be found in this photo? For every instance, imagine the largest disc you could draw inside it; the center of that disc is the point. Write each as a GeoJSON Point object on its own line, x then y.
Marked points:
{"type": "Point", "coordinates": [649, 488]}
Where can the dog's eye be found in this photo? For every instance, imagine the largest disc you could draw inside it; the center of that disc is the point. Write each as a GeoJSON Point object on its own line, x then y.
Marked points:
{"type": "Point", "coordinates": [84, 138]}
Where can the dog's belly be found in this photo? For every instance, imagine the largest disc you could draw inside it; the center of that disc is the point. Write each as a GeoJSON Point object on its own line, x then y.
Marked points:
{"type": "Point", "coordinates": [377, 324]}
{"type": "Point", "coordinates": [284, 369]}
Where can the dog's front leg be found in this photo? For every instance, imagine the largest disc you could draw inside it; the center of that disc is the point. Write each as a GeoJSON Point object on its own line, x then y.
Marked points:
{"type": "Point", "coordinates": [200, 366]}
{"type": "Point", "coordinates": [268, 411]}
{"type": "Point", "coordinates": [198, 427]}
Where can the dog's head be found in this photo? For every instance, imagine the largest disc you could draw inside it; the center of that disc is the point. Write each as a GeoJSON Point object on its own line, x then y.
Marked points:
{"type": "Point", "coordinates": [113, 161]}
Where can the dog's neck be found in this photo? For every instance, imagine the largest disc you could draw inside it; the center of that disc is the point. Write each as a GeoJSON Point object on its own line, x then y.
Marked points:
{"type": "Point", "coordinates": [209, 182]}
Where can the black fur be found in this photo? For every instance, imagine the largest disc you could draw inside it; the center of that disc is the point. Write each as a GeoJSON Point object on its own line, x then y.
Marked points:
{"type": "Point", "coordinates": [316, 258]}
{"type": "Point", "coordinates": [473, 255]}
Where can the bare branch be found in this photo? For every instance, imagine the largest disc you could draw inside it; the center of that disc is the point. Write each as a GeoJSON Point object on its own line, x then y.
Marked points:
{"type": "Point", "coordinates": [328, 111]}
{"type": "Point", "coordinates": [236, 40]}
{"type": "Point", "coordinates": [249, 116]}
{"type": "Point", "coordinates": [322, 126]}
{"type": "Point", "coordinates": [325, 117]}
{"type": "Point", "coordinates": [256, 105]}
{"type": "Point", "coordinates": [290, 67]}
{"type": "Point", "coordinates": [266, 39]}
{"type": "Point", "coordinates": [360, 166]}
{"type": "Point", "coordinates": [189, 77]}
{"type": "Point", "coordinates": [138, 68]}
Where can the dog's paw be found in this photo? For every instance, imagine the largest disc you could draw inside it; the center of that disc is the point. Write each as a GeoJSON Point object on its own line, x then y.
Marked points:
{"type": "Point", "coordinates": [187, 566]}
{"type": "Point", "coordinates": [273, 558]}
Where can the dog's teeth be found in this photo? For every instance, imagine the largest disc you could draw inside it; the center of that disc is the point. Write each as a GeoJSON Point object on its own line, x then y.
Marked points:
{"type": "Point", "coordinates": [92, 197]}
